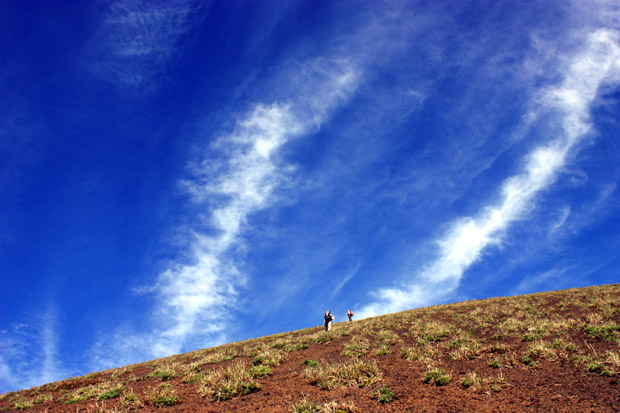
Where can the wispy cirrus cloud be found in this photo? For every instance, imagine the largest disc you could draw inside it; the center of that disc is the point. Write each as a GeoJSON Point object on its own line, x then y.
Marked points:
{"type": "Point", "coordinates": [348, 276]}
{"type": "Point", "coordinates": [198, 295]}
{"type": "Point", "coordinates": [239, 176]}
{"type": "Point", "coordinates": [467, 238]}
{"type": "Point", "coordinates": [562, 216]}
{"type": "Point", "coordinates": [28, 352]}
{"type": "Point", "coordinates": [242, 173]}
{"type": "Point", "coordinates": [570, 221]}
{"type": "Point", "coordinates": [138, 40]}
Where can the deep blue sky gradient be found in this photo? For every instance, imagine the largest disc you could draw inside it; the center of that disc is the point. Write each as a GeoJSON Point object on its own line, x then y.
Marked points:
{"type": "Point", "coordinates": [177, 175]}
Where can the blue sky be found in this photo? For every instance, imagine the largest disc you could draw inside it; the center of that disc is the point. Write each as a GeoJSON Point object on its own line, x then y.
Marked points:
{"type": "Point", "coordinates": [177, 175]}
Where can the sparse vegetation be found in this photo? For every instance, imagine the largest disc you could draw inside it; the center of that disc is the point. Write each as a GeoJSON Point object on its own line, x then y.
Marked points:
{"type": "Point", "coordinates": [466, 350]}
{"type": "Point", "coordinates": [228, 382]}
{"type": "Point", "coordinates": [82, 393]}
{"type": "Point", "coordinates": [435, 330]}
{"type": "Point", "coordinates": [438, 377]}
{"type": "Point", "coordinates": [110, 394]}
{"type": "Point", "coordinates": [483, 384]}
{"type": "Point", "coordinates": [193, 378]}
{"type": "Point", "coordinates": [424, 352]}
{"type": "Point", "coordinates": [260, 371]}
{"type": "Point", "coordinates": [384, 394]}
{"type": "Point", "coordinates": [388, 337]}
{"type": "Point", "coordinates": [493, 340]}
{"type": "Point", "coordinates": [383, 349]}
{"type": "Point", "coordinates": [356, 347]}
{"type": "Point", "coordinates": [23, 403]}
{"type": "Point", "coordinates": [355, 373]}
{"type": "Point", "coordinates": [307, 405]}
{"type": "Point", "coordinates": [530, 337]}
{"type": "Point", "coordinates": [130, 401]}
{"type": "Point", "coordinates": [162, 395]}
{"type": "Point", "coordinates": [604, 331]}
{"type": "Point", "coordinates": [321, 338]}
{"type": "Point", "coordinates": [269, 358]}
{"type": "Point", "coordinates": [166, 371]}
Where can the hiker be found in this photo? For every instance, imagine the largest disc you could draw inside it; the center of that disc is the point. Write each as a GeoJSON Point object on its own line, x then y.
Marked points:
{"type": "Point", "coordinates": [328, 320]}
{"type": "Point", "coordinates": [350, 314]}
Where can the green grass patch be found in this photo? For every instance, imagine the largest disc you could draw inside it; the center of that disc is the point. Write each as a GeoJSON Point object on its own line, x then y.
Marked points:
{"type": "Point", "coordinates": [495, 364]}
{"type": "Point", "coordinates": [603, 331]}
{"type": "Point", "coordinates": [438, 377]}
{"type": "Point", "coordinates": [384, 394]}
{"type": "Point", "coordinates": [260, 371]}
{"type": "Point", "coordinates": [111, 394]}
{"type": "Point", "coordinates": [530, 337]}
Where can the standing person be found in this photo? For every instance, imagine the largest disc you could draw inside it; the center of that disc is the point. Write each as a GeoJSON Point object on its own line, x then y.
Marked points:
{"type": "Point", "coordinates": [350, 314]}
{"type": "Point", "coordinates": [328, 320]}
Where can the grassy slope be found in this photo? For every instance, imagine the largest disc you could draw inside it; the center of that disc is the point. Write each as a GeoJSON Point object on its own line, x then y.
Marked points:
{"type": "Point", "coordinates": [473, 346]}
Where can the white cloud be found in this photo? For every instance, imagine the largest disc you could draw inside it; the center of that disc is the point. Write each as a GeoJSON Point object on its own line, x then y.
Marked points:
{"type": "Point", "coordinates": [528, 285]}
{"type": "Point", "coordinates": [28, 353]}
{"type": "Point", "coordinates": [564, 275]}
{"type": "Point", "coordinates": [137, 41]}
{"type": "Point", "coordinates": [564, 213]}
{"type": "Point", "coordinates": [465, 241]}
{"type": "Point", "coordinates": [195, 295]}
{"type": "Point", "coordinates": [595, 209]}
{"type": "Point", "coordinates": [198, 295]}
{"type": "Point", "coordinates": [347, 277]}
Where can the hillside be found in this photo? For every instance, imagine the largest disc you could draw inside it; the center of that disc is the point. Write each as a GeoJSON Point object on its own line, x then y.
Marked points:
{"type": "Point", "coordinates": [555, 351]}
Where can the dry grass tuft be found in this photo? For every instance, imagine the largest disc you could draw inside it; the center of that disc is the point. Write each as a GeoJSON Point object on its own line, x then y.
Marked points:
{"type": "Point", "coordinates": [130, 401]}
{"type": "Point", "coordinates": [269, 357]}
{"type": "Point", "coordinates": [229, 382]}
{"type": "Point", "coordinates": [424, 353]}
{"type": "Point", "coordinates": [163, 395]}
{"type": "Point", "coordinates": [308, 405]}
{"type": "Point", "coordinates": [356, 373]}
{"type": "Point", "coordinates": [356, 347]}
{"type": "Point", "coordinates": [388, 337]}
{"type": "Point", "coordinates": [481, 384]}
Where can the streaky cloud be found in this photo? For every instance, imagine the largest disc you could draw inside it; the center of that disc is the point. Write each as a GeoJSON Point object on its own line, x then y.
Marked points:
{"type": "Point", "coordinates": [346, 279]}
{"type": "Point", "coordinates": [563, 215]}
{"type": "Point", "coordinates": [601, 205]}
{"type": "Point", "coordinates": [195, 295]}
{"type": "Point", "coordinates": [529, 284]}
{"type": "Point", "coordinates": [463, 244]}
{"type": "Point", "coordinates": [37, 338]}
{"type": "Point", "coordinates": [240, 173]}
{"type": "Point", "coordinates": [138, 40]}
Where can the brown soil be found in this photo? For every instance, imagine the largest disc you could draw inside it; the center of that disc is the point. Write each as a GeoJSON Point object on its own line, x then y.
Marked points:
{"type": "Point", "coordinates": [560, 382]}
